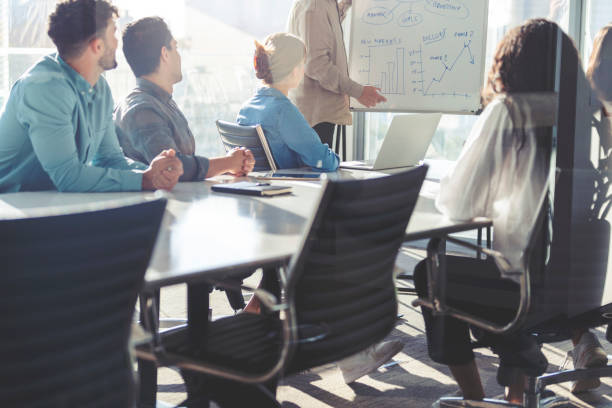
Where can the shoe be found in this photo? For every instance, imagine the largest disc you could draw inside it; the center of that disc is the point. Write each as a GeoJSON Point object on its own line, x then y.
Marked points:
{"type": "Point", "coordinates": [368, 360]}
{"type": "Point", "coordinates": [588, 353]}
{"type": "Point", "coordinates": [529, 361]}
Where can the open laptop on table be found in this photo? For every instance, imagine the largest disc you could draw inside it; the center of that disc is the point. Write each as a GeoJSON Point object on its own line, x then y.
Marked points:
{"type": "Point", "coordinates": [405, 143]}
{"type": "Point", "coordinates": [285, 174]}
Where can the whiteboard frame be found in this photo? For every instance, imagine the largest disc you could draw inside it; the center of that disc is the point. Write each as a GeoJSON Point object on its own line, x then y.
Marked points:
{"type": "Point", "coordinates": [482, 73]}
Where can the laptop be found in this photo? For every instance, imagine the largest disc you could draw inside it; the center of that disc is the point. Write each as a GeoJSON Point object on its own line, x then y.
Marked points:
{"type": "Point", "coordinates": [404, 145]}
{"type": "Point", "coordinates": [277, 174]}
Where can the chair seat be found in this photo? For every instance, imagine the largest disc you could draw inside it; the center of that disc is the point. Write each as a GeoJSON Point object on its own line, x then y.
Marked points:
{"type": "Point", "coordinates": [245, 342]}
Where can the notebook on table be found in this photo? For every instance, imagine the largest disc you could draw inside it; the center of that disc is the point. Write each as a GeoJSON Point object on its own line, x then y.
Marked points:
{"type": "Point", "coordinates": [404, 145]}
{"type": "Point", "coordinates": [250, 188]}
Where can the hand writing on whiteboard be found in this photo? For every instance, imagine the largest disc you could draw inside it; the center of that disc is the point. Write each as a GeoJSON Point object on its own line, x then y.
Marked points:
{"type": "Point", "coordinates": [370, 96]}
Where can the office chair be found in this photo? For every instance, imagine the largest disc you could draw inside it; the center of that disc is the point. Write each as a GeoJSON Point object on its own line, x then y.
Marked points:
{"type": "Point", "coordinates": [567, 253]}
{"type": "Point", "coordinates": [406, 262]}
{"type": "Point", "coordinates": [339, 292]}
{"type": "Point", "coordinates": [67, 293]}
{"type": "Point", "coordinates": [540, 313]}
{"type": "Point", "coordinates": [234, 135]}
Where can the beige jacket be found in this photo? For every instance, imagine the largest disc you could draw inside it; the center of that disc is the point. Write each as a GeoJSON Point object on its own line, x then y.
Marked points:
{"type": "Point", "coordinates": [323, 95]}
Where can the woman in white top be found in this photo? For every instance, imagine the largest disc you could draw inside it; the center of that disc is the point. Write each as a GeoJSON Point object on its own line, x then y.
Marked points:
{"type": "Point", "coordinates": [502, 174]}
{"type": "Point", "coordinates": [599, 74]}
{"type": "Point", "coordinates": [587, 351]}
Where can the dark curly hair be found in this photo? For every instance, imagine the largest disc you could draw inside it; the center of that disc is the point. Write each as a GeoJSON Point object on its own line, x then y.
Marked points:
{"type": "Point", "coordinates": [76, 22]}
{"type": "Point", "coordinates": [525, 59]}
{"type": "Point", "coordinates": [262, 63]}
{"type": "Point", "coordinates": [142, 43]}
{"type": "Point", "coordinates": [524, 63]}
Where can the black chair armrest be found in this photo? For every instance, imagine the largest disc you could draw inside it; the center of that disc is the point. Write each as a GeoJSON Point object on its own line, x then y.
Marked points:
{"type": "Point", "coordinates": [437, 289]}
{"type": "Point", "coordinates": [502, 263]}
{"type": "Point", "coordinates": [161, 345]}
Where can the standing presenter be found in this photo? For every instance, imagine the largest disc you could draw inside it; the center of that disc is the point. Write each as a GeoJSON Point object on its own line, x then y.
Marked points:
{"type": "Point", "coordinates": [323, 95]}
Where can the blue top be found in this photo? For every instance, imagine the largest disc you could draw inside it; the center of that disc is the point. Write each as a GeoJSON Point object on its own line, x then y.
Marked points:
{"type": "Point", "coordinates": [292, 141]}
{"type": "Point", "coordinates": [57, 132]}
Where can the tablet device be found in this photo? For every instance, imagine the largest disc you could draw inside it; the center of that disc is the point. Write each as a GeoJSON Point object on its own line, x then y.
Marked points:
{"type": "Point", "coordinates": [285, 175]}
{"type": "Point", "coordinates": [249, 188]}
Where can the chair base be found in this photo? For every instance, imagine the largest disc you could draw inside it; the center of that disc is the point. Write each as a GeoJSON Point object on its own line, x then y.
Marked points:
{"type": "Point", "coordinates": [406, 291]}
{"type": "Point", "coordinates": [458, 402]}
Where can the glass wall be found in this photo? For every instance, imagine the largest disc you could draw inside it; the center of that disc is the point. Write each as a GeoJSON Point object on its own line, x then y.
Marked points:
{"type": "Point", "coordinates": [598, 13]}
{"type": "Point", "coordinates": [454, 129]}
{"type": "Point", "coordinates": [215, 40]}
{"type": "Point", "coordinates": [216, 44]}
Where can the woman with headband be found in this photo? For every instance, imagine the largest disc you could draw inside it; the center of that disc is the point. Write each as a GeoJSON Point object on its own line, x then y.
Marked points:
{"type": "Point", "coordinates": [279, 63]}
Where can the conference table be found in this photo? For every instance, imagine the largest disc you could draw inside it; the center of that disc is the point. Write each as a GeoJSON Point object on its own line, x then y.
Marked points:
{"type": "Point", "coordinates": [207, 236]}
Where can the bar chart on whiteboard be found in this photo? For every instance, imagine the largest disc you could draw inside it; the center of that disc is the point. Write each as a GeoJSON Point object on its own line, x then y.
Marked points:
{"type": "Point", "coordinates": [423, 55]}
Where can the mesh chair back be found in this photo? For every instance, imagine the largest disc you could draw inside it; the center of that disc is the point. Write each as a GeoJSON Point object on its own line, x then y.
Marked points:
{"type": "Point", "coordinates": [67, 293]}
{"type": "Point", "coordinates": [342, 281]}
{"type": "Point", "coordinates": [234, 135]}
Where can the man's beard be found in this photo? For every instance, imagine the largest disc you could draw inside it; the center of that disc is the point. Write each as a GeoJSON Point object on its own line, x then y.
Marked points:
{"type": "Point", "coordinates": [108, 61]}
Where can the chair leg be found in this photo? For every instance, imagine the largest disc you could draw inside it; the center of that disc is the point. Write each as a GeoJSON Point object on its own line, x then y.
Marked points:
{"type": "Point", "coordinates": [404, 290]}
{"type": "Point", "coordinates": [147, 390]}
{"type": "Point", "coordinates": [147, 370]}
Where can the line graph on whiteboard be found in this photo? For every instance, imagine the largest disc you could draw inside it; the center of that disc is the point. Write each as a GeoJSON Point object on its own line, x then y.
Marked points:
{"type": "Point", "coordinates": [424, 49]}
{"type": "Point", "coordinates": [434, 85]}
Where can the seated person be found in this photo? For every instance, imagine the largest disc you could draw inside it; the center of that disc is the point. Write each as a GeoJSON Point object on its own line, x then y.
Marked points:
{"type": "Point", "coordinates": [599, 74]}
{"type": "Point", "coordinates": [280, 64]}
{"type": "Point", "coordinates": [56, 126]}
{"type": "Point", "coordinates": [587, 350]}
{"type": "Point", "coordinates": [149, 119]}
{"type": "Point", "coordinates": [501, 174]}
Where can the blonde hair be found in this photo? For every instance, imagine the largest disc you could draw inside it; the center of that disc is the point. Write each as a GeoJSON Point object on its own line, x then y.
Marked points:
{"type": "Point", "coordinates": [278, 56]}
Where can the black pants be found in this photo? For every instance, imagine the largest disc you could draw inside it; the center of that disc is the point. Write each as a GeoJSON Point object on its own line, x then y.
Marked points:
{"type": "Point", "coordinates": [326, 131]}
{"type": "Point", "coordinates": [473, 286]}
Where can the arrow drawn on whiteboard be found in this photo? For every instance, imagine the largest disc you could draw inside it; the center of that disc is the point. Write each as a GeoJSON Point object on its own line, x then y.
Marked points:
{"type": "Point", "coordinates": [466, 46]}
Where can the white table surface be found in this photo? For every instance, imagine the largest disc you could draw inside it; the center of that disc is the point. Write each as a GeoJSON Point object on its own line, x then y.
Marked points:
{"type": "Point", "coordinates": [205, 231]}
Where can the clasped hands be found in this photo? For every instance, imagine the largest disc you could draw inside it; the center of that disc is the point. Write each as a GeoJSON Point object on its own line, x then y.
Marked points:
{"type": "Point", "coordinates": [163, 172]}
{"type": "Point", "coordinates": [241, 160]}
{"type": "Point", "coordinates": [166, 168]}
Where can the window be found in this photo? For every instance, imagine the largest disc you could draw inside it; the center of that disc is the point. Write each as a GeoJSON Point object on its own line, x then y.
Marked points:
{"type": "Point", "coordinates": [454, 129]}
{"type": "Point", "coordinates": [215, 40]}
{"type": "Point", "coordinates": [216, 43]}
{"type": "Point", "coordinates": [598, 13]}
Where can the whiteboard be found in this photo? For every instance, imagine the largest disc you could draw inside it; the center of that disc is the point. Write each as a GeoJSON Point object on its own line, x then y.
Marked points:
{"type": "Point", "coordinates": [424, 55]}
